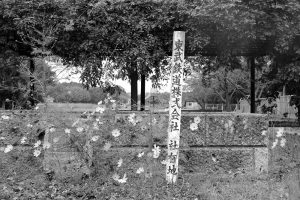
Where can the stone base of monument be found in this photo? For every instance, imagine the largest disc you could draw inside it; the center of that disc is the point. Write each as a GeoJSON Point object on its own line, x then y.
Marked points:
{"type": "Point", "coordinates": [229, 143]}
{"type": "Point", "coordinates": [62, 159]}
{"type": "Point", "coordinates": [65, 165]}
{"type": "Point", "coordinates": [284, 157]}
{"type": "Point", "coordinates": [221, 142]}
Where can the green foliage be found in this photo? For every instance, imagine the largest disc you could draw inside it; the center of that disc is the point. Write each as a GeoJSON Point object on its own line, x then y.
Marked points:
{"type": "Point", "coordinates": [159, 99]}
{"type": "Point", "coordinates": [76, 93]}
{"type": "Point", "coordinates": [44, 73]}
{"type": "Point", "coordinates": [96, 95]}
{"type": "Point", "coordinates": [36, 22]}
{"type": "Point", "coordinates": [255, 28]}
{"type": "Point", "coordinates": [19, 129]}
{"type": "Point", "coordinates": [219, 80]}
{"type": "Point", "coordinates": [283, 71]}
{"type": "Point", "coordinates": [236, 23]}
{"type": "Point", "coordinates": [69, 92]}
{"type": "Point", "coordinates": [19, 38]}
{"type": "Point", "coordinates": [135, 36]}
{"type": "Point", "coordinates": [12, 81]}
{"type": "Point", "coordinates": [14, 78]}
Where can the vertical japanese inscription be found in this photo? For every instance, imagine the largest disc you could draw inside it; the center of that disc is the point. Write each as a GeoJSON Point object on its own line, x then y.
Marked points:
{"type": "Point", "coordinates": [175, 106]}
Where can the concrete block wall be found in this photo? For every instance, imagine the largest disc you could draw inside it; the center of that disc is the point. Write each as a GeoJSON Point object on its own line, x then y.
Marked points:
{"type": "Point", "coordinates": [220, 142]}
{"type": "Point", "coordinates": [223, 142]}
{"type": "Point", "coordinates": [237, 141]}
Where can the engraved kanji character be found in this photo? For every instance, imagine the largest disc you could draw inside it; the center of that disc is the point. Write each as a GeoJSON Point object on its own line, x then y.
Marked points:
{"type": "Point", "coordinates": [176, 101]}
{"type": "Point", "coordinates": [177, 68]}
{"type": "Point", "coordinates": [172, 158]}
{"type": "Point", "coordinates": [174, 126]}
{"type": "Point", "coordinates": [177, 56]}
{"type": "Point", "coordinates": [172, 170]}
{"type": "Point", "coordinates": [176, 80]}
{"type": "Point", "coordinates": [175, 114]}
{"type": "Point", "coordinates": [173, 144]}
{"type": "Point", "coordinates": [178, 45]}
{"type": "Point", "coordinates": [176, 91]}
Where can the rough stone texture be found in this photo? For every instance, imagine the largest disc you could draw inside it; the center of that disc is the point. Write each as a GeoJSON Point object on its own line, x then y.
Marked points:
{"type": "Point", "coordinates": [239, 143]}
{"type": "Point", "coordinates": [220, 130]}
{"type": "Point", "coordinates": [261, 159]}
{"type": "Point", "coordinates": [288, 151]}
{"type": "Point", "coordinates": [284, 162]}
{"type": "Point", "coordinates": [65, 165]}
{"type": "Point", "coordinates": [213, 129]}
{"type": "Point", "coordinates": [235, 140]}
{"type": "Point", "coordinates": [190, 160]}
{"type": "Point", "coordinates": [227, 160]}
{"type": "Point", "coordinates": [62, 157]}
{"type": "Point", "coordinates": [293, 184]}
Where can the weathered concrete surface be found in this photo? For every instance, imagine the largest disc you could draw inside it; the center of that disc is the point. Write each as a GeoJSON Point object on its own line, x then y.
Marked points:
{"type": "Point", "coordinates": [230, 161]}
{"type": "Point", "coordinates": [239, 142]}
{"type": "Point", "coordinates": [216, 160]}
{"type": "Point", "coordinates": [212, 129]}
{"type": "Point", "coordinates": [236, 141]}
{"type": "Point", "coordinates": [65, 165]}
{"type": "Point", "coordinates": [284, 161]}
{"type": "Point", "coordinates": [261, 157]}
{"type": "Point", "coordinates": [284, 145]}
{"type": "Point", "coordinates": [62, 157]}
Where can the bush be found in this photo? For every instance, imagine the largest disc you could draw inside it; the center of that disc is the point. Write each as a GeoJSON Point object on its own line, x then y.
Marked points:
{"type": "Point", "coordinates": [69, 92]}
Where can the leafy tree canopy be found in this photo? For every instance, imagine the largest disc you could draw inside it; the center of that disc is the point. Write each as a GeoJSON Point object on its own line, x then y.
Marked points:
{"type": "Point", "coordinates": [133, 36]}
{"type": "Point", "coordinates": [248, 24]}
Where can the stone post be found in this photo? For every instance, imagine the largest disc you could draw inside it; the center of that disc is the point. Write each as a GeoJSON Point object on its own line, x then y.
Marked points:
{"type": "Point", "coordinates": [175, 106]}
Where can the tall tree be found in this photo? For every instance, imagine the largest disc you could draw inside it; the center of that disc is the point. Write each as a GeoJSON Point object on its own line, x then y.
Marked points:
{"type": "Point", "coordinates": [245, 26]}
{"type": "Point", "coordinates": [223, 85]}
{"type": "Point", "coordinates": [28, 29]}
{"type": "Point", "coordinates": [134, 37]}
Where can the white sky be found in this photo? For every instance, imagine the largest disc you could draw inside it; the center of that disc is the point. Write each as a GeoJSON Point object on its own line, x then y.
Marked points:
{"type": "Point", "coordinates": [68, 75]}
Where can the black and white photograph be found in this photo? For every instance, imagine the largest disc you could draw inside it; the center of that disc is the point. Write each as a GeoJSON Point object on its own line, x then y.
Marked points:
{"type": "Point", "coordinates": [149, 99]}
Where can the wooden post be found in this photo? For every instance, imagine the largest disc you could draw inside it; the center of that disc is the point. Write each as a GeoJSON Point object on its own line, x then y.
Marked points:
{"type": "Point", "coordinates": [175, 106]}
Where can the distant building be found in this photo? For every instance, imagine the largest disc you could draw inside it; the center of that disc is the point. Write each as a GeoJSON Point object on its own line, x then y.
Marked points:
{"type": "Point", "coordinates": [243, 106]}
{"type": "Point", "coordinates": [191, 105]}
{"type": "Point", "coordinates": [214, 107]}
{"type": "Point", "coordinates": [49, 99]}
{"type": "Point", "coordinates": [283, 107]}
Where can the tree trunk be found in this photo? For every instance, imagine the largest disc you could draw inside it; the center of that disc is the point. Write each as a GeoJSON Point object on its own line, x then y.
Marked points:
{"type": "Point", "coordinates": [3, 104]}
{"type": "Point", "coordinates": [227, 106]}
{"type": "Point", "coordinates": [134, 90]}
{"type": "Point", "coordinates": [251, 64]}
{"type": "Point", "coordinates": [143, 93]}
{"type": "Point", "coordinates": [31, 79]}
{"type": "Point", "coordinates": [44, 79]}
